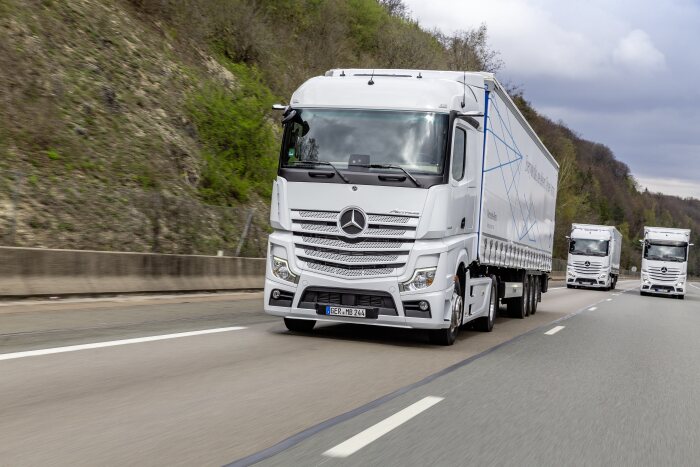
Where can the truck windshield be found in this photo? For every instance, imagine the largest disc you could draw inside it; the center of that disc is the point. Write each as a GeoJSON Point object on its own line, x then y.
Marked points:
{"type": "Point", "coordinates": [666, 252]}
{"type": "Point", "coordinates": [358, 139]}
{"type": "Point", "coordinates": [588, 247]}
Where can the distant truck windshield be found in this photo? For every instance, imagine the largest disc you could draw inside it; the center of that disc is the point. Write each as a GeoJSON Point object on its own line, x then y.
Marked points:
{"type": "Point", "coordinates": [356, 139]}
{"type": "Point", "coordinates": [666, 251]}
{"type": "Point", "coordinates": [588, 247]}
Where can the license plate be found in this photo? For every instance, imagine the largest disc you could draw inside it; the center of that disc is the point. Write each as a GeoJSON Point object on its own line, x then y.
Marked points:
{"type": "Point", "coordinates": [346, 311]}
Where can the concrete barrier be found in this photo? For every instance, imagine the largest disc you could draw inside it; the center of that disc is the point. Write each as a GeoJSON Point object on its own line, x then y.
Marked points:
{"type": "Point", "coordinates": [36, 272]}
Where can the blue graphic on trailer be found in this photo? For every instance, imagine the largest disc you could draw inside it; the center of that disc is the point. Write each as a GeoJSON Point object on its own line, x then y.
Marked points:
{"type": "Point", "coordinates": [510, 161]}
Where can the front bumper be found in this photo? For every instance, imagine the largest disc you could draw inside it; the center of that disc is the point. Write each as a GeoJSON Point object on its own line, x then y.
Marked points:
{"type": "Point", "coordinates": [439, 301]}
{"type": "Point", "coordinates": [661, 289]}
{"type": "Point", "coordinates": [587, 281]}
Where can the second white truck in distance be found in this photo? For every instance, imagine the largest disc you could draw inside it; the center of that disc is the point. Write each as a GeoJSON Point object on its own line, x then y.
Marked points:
{"type": "Point", "coordinates": [665, 261]}
{"type": "Point", "coordinates": [408, 198]}
{"type": "Point", "coordinates": [594, 256]}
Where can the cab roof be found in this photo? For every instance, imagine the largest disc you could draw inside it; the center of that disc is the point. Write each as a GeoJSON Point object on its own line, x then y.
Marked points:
{"type": "Point", "coordinates": [417, 90]}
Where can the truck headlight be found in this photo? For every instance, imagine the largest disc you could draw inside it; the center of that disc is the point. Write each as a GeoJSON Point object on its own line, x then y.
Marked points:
{"type": "Point", "coordinates": [280, 269]}
{"type": "Point", "coordinates": [421, 279]}
{"type": "Point", "coordinates": [603, 276]}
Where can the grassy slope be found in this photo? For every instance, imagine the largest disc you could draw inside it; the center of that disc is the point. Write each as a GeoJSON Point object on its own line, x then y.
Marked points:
{"type": "Point", "coordinates": [98, 120]}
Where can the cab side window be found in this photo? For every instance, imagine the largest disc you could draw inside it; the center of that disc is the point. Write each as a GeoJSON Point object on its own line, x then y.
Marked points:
{"type": "Point", "coordinates": [459, 154]}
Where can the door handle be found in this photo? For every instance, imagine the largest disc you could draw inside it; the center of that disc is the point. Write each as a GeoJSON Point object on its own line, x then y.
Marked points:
{"type": "Point", "coordinates": [464, 222]}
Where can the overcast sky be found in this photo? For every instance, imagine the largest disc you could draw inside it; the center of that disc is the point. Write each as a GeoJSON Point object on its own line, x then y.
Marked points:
{"type": "Point", "coordinates": [623, 73]}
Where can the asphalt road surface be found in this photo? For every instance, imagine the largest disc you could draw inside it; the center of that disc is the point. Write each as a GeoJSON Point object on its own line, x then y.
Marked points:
{"type": "Point", "coordinates": [593, 378]}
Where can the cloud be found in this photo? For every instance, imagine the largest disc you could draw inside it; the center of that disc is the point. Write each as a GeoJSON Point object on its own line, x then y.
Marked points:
{"type": "Point", "coordinates": [636, 50]}
{"type": "Point", "coordinates": [621, 73]}
{"type": "Point", "coordinates": [670, 186]}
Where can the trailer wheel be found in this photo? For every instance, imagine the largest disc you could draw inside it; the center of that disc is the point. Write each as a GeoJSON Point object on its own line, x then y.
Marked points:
{"type": "Point", "coordinates": [448, 336]}
{"type": "Point", "coordinates": [535, 294]}
{"type": "Point", "coordinates": [485, 323]}
{"type": "Point", "coordinates": [518, 307]}
{"type": "Point", "coordinates": [299, 325]}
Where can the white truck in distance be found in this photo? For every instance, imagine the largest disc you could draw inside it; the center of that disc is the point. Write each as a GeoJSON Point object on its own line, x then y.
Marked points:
{"type": "Point", "coordinates": [665, 261]}
{"type": "Point", "coordinates": [408, 198]}
{"type": "Point", "coordinates": [594, 256]}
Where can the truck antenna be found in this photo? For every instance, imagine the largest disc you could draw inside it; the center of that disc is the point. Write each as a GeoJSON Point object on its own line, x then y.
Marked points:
{"type": "Point", "coordinates": [464, 87]}
{"type": "Point", "coordinates": [371, 78]}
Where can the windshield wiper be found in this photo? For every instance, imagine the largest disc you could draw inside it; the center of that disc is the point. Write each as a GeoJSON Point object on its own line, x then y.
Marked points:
{"type": "Point", "coordinates": [342, 177]}
{"type": "Point", "coordinates": [392, 166]}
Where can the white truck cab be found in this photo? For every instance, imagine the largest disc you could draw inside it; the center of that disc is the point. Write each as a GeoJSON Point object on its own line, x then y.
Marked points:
{"type": "Point", "coordinates": [408, 198]}
{"type": "Point", "coordinates": [665, 261]}
{"type": "Point", "coordinates": [594, 256]}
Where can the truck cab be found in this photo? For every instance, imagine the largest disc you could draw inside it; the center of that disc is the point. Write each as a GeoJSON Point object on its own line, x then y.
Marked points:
{"type": "Point", "coordinates": [665, 261]}
{"type": "Point", "coordinates": [594, 256]}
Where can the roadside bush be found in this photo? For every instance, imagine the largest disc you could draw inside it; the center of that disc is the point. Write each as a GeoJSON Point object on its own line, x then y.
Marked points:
{"type": "Point", "coordinates": [239, 142]}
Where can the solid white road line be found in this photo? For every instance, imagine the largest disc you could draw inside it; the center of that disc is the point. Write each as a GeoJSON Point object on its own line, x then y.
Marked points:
{"type": "Point", "coordinates": [693, 285]}
{"type": "Point", "coordinates": [371, 434]}
{"type": "Point", "coordinates": [99, 345]}
{"type": "Point", "coordinates": [608, 299]}
{"type": "Point", "coordinates": [554, 330]}
{"type": "Point", "coordinates": [593, 308]}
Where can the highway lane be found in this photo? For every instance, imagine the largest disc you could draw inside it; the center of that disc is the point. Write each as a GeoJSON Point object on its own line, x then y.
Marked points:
{"type": "Point", "coordinates": [206, 399]}
{"type": "Point", "coordinates": [614, 385]}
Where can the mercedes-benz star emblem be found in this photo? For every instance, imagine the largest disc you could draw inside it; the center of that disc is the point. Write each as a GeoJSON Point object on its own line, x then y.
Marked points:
{"type": "Point", "coordinates": [664, 269]}
{"type": "Point", "coordinates": [587, 264]}
{"type": "Point", "coordinates": [352, 222]}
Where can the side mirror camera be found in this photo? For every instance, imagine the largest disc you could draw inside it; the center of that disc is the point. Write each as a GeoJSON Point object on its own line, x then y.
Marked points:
{"type": "Point", "coordinates": [279, 107]}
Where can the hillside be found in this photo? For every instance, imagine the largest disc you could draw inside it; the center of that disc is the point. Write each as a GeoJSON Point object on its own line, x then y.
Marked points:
{"type": "Point", "coordinates": [144, 125]}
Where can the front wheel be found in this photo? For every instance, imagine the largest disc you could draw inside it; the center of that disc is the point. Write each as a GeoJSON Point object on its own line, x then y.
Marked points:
{"type": "Point", "coordinates": [448, 336]}
{"type": "Point", "coordinates": [485, 323]}
{"type": "Point", "coordinates": [299, 325]}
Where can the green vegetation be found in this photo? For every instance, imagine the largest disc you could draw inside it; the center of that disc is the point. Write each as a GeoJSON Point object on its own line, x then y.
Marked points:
{"type": "Point", "coordinates": [145, 125]}
{"type": "Point", "coordinates": [237, 136]}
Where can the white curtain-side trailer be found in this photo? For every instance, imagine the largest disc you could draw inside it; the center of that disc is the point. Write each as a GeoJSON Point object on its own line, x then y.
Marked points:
{"type": "Point", "coordinates": [408, 198]}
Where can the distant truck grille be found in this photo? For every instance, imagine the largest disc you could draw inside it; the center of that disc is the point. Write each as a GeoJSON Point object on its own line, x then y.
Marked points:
{"type": "Point", "coordinates": [671, 275]}
{"type": "Point", "coordinates": [593, 269]}
{"type": "Point", "coordinates": [382, 250]}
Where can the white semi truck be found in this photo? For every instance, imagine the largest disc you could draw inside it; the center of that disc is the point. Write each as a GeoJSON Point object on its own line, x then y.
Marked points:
{"type": "Point", "coordinates": [407, 198]}
{"type": "Point", "coordinates": [665, 261]}
{"type": "Point", "coordinates": [594, 256]}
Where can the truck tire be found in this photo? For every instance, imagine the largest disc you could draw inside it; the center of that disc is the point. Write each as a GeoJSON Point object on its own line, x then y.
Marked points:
{"type": "Point", "coordinates": [485, 323]}
{"type": "Point", "coordinates": [518, 307]}
{"type": "Point", "coordinates": [614, 283]}
{"type": "Point", "coordinates": [299, 325]}
{"type": "Point", "coordinates": [447, 336]}
{"type": "Point", "coordinates": [535, 287]}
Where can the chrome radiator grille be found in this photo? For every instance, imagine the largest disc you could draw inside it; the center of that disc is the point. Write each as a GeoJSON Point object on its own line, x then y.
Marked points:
{"type": "Point", "coordinates": [671, 275]}
{"type": "Point", "coordinates": [590, 269]}
{"type": "Point", "coordinates": [382, 249]}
